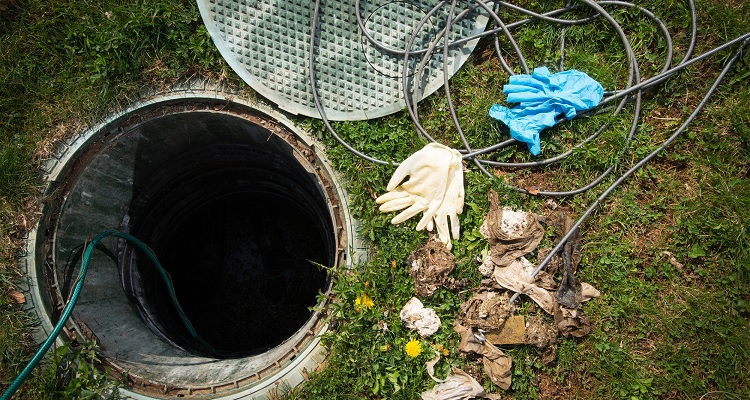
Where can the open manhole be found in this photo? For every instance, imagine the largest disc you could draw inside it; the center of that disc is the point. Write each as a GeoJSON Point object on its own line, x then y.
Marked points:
{"type": "Point", "coordinates": [240, 207]}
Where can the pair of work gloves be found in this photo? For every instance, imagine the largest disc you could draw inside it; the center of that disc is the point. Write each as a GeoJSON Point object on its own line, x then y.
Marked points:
{"type": "Point", "coordinates": [435, 187]}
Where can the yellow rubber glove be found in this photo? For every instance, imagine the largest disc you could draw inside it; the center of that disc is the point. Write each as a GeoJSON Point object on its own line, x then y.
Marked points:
{"type": "Point", "coordinates": [451, 207]}
{"type": "Point", "coordinates": [434, 187]}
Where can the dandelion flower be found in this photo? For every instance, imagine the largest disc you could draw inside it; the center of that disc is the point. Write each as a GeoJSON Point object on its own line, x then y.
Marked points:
{"type": "Point", "coordinates": [441, 349]}
{"type": "Point", "coordinates": [413, 348]}
{"type": "Point", "coordinates": [363, 301]}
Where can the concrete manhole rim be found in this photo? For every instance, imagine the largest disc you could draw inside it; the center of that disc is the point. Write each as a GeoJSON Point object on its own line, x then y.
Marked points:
{"type": "Point", "coordinates": [302, 355]}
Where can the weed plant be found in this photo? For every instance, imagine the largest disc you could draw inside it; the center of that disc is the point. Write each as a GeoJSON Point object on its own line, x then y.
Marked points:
{"type": "Point", "coordinates": [668, 250]}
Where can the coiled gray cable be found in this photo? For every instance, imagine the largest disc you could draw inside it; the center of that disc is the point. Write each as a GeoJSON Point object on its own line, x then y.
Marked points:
{"type": "Point", "coordinates": [615, 100]}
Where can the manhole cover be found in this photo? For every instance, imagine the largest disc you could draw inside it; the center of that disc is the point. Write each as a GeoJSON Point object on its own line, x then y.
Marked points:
{"type": "Point", "coordinates": [267, 42]}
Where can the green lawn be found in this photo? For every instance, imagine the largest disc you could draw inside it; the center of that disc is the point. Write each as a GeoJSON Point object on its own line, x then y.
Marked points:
{"type": "Point", "coordinates": [669, 248]}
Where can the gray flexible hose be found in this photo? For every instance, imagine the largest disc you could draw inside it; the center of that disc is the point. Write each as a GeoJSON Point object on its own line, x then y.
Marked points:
{"type": "Point", "coordinates": [615, 101]}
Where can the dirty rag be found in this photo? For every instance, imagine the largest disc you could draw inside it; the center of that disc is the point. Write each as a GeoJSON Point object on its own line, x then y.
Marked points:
{"type": "Point", "coordinates": [541, 97]}
{"type": "Point", "coordinates": [430, 265]}
{"type": "Point", "coordinates": [517, 277]}
{"type": "Point", "coordinates": [511, 234]}
{"type": "Point", "coordinates": [572, 322]}
{"type": "Point", "coordinates": [457, 386]}
{"type": "Point", "coordinates": [569, 292]}
{"type": "Point", "coordinates": [497, 365]}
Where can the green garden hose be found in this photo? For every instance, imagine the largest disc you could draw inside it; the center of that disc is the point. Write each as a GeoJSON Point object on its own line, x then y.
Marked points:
{"type": "Point", "coordinates": [88, 249]}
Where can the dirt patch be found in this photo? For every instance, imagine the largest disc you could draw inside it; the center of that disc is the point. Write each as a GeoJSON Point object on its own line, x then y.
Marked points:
{"type": "Point", "coordinates": [549, 389]}
{"type": "Point", "coordinates": [563, 388]}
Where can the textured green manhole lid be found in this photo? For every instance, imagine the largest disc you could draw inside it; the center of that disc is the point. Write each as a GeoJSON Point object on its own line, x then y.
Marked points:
{"type": "Point", "coordinates": [267, 42]}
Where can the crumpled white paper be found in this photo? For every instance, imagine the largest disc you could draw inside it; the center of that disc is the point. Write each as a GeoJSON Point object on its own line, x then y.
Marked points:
{"type": "Point", "coordinates": [416, 316]}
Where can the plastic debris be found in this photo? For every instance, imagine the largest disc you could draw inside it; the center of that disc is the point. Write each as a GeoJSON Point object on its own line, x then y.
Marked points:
{"type": "Point", "coordinates": [435, 187]}
{"type": "Point", "coordinates": [416, 316]}
{"type": "Point", "coordinates": [541, 97]}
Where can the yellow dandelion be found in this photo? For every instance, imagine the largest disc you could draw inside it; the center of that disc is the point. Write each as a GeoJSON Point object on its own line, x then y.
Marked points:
{"type": "Point", "coordinates": [441, 349]}
{"type": "Point", "coordinates": [385, 347]}
{"type": "Point", "coordinates": [363, 301]}
{"type": "Point", "coordinates": [413, 348]}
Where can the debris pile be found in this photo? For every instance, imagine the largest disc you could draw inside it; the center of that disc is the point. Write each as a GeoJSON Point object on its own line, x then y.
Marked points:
{"type": "Point", "coordinates": [488, 318]}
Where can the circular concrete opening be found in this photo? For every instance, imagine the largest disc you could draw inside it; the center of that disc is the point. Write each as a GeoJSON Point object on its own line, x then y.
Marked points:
{"type": "Point", "coordinates": [241, 209]}
{"type": "Point", "coordinates": [239, 224]}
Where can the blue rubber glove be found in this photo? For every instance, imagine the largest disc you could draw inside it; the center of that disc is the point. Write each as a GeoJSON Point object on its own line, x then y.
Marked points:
{"type": "Point", "coordinates": [542, 97]}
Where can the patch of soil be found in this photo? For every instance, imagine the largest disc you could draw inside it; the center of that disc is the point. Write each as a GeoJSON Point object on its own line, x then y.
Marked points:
{"type": "Point", "coordinates": [570, 388]}
{"type": "Point", "coordinates": [549, 389]}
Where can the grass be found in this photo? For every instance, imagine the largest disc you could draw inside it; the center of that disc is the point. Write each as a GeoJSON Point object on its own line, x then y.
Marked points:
{"type": "Point", "coordinates": [669, 249]}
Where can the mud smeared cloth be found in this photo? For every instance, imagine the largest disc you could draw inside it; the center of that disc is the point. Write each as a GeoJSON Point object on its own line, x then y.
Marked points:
{"type": "Point", "coordinates": [430, 265]}
{"type": "Point", "coordinates": [511, 234]}
{"type": "Point", "coordinates": [458, 385]}
{"type": "Point", "coordinates": [497, 365]}
{"type": "Point", "coordinates": [541, 97]}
